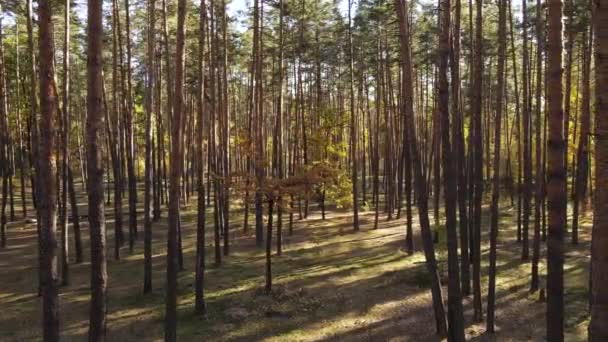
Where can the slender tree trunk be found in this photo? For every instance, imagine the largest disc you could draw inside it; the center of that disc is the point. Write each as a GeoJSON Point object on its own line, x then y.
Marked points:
{"type": "Point", "coordinates": [502, 42]}
{"type": "Point", "coordinates": [582, 154]}
{"type": "Point", "coordinates": [478, 161]}
{"type": "Point", "coordinates": [598, 326]}
{"type": "Point", "coordinates": [63, 215]}
{"type": "Point", "coordinates": [95, 113]}
{"type": "Point", "coordinates": [46, 174]}
{"type": "Point", "coordinates": [455, 311]}
{"type": "Point", "coordinates": [420, 182]}
{"type": "Point", "coordinates": [116, 163]}
{"type": "Point", "coordinates": [459, 147]}
{"type": "Point", "coordinates": [200, 305]}
{"type": "Point", "coordinates": [538, 182]}
{"type": "Point", "coordinates": [148, 139]}
{"type": "Point", "coordinates": [556, 194]}
{"type": "Point", "coordinates": [132, 181]}
{"type": "Point", "coordinates": [525, 252]}
{"type": "Point", "coordinates": [353, 125]}
{"type": "Point", "coordinates": [75, 217]}
{"type": "Point", "coordinates": [4, 140]}
{"type": "Point", "coordinates": [175, 179]}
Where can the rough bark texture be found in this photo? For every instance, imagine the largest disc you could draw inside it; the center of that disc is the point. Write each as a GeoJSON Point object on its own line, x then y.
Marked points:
{"type": "Point", "coordinates": [199, 289]}
{"type": "Point", "coordinates": [502, 17]}
{"type": "Point", "coordinates": [556, 194]}
{"type": "Point", "coordinates": [477, 161]}
{"type": "Point", "coordinates": [455, 314]}
{"type": "Point", "coordinates": [94, 128]}
{"type": "Point", "coordinates": [175, 180]}
{"type": "Point", "coordinates": [598, 327]}
{"type": "Point", "coordinates": [148, 139]}
{"type": "Point", "coordinates": [47, 176]}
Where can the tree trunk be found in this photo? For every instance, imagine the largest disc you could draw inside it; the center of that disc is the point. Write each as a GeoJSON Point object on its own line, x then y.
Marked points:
{"type": "Point", "coordinates": [4, 141]}
{"type": "Point", "coordinates": [525, 252]}
{"type": "Point", "coordinates": [455, 311]}
{"type": "Point", "coordinates": [132, 181]}
{"type": "Point", "coordinates": [353, 125]}
{"type": "Point", "coordinates": [148, 139]}
{"type": "Point", "coordinates": [502, 42]}
{"type": "Point", "coordinates": [477, 161]}
{"type": "Point", "coordinates": [420, 182]}
{"type": "Point", "coordinates": [556, 194]}
{"type": "Point", "coordinates": [63, 215]}
{"type": "Point", "coordinates": [268, 287]}
{"type": "Point", "coordinates": [582, 155]}
{"type": "Point", "coordinates": [538, 182]}
{"type": "Point", "coordinates": [95, 113]}
{"type": "Point", "coordinates": [199, 302]}
{"type": "Point", "coordinates": [598, 326]}
{"type": "Point", "coordinates": [175, 179]}
{"type": "Point", "coordinates": [46, 175]}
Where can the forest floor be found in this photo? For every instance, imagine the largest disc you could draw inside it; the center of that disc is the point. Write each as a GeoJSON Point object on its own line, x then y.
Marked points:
{"type": "Point", "coordinates": [330, 284]}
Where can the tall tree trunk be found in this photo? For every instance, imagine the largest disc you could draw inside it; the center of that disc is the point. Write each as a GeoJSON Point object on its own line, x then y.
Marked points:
{"type": "Point", "coordinates": [582, 154]}
{"type": "Point", "coordinates": [200, 305]}
{"type": "Point", "coordinates": [455, 311]}
{"type": "Point", "coordinates": [539, 181]}
{"type": "Point", "coordinates": [556, 194]}
{"type": "Point", "coordinates": [502, 42]}
{"type": "Point", "coordinates": [116, 162]}
{"type": "Point", "coordinates": [34, 129]}
{"type": "Point", "coordinates": [477, 161]}
{"type": "Point", "coordinates": [525, 252]}
{"type": "Point", "coordinates": [258, 107]}
{"type": "Point", "coordinates": [149, 165]}
{"type": "Point", "coordinates": [175, 179]}
{"type": "Point", "coordinates": [97, 228]}
{"type": "Point", "coordinates": [63, 215]}
{"type": "Point", "coordinates": [420, 182]}
{"type": "Point", "coordinates": [459, 147]}
{"type": "Point", "coordinates": [5, 171]}
{"type": "Point", "coordinates": [353, 122]}
{"type": "Point", "coordinates": [46, 175]}
{"type": "Point", "coordinates": [132, 181]}
{"type": "Point", "coordinates": [598, 326]}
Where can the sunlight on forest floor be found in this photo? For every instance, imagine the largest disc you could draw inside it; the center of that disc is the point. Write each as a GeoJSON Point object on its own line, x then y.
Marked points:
{"type": "Point", "coordinates": [330, 284]}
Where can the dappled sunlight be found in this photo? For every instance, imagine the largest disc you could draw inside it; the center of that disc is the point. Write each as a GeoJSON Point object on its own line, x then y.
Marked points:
{"type": "Point", "coordinates": [330, 284]}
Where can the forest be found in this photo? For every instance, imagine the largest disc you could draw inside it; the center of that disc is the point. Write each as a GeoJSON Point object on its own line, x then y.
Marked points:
{"type": "Point", "coordinates": [304, 170]}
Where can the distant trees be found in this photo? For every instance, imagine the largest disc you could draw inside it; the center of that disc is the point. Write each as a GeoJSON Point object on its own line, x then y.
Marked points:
{"type": "Point", "coordinates": [313, 106]}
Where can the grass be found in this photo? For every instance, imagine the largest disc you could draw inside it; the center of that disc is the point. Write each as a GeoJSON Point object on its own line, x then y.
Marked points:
{"type": "Point", "coordinates": [331, 284]}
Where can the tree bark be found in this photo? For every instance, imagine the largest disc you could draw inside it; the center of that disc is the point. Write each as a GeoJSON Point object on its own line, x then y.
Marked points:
{"type": "Point", "coordinates": [419, 181]}
{"type": "Point", "coordinates": [598, 326]}
{"type": "Point", "coordinates": [94, 127]}
{"type": "Point", "coordinates": [353, 123]}
{"type": "Point", "coordinates": [46, 174]}
{"type": "Point", "coordinates": [556, 194]}
{"type": "Point", "coordinates": [175, 179]}
{"type": "Point", "coordinates": [477, 160]}
{"type": "Point", "coordinates": [502, 42]}
{"type": "Point", "coordinates": [455, 311]}
{"type": "Point", "coordinates": [199, 303]}
{"type": "Point", "coordinates": [148, 139]}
